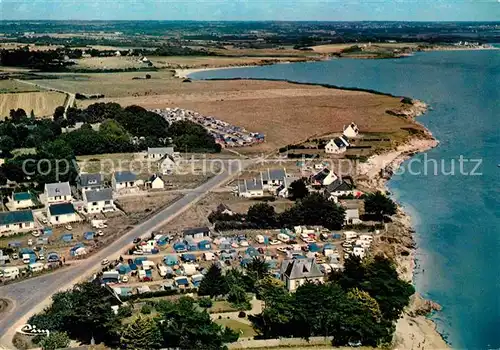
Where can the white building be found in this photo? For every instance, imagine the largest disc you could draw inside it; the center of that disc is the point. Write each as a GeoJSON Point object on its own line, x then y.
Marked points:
{"type": "Point", "coordinates": [167, 165]}
{"type": "Point", "coordinates": [197, 233]}
{"type": "Point", "coordinates": [97, 201]}
{"type": "Point", "coordinates": [251, 188]}
{"type": "Point", "coordinates": [57, 193]}
{"type": "Point", "coordinates": [296, 272]}
{"type": "Point", "coordinates": [272, 179]}
{"type": "Point", "coordinates": [358, 251]}
{"type": "Point", "coordinates": [351, 131]}
{"type": "Point", "coordinates": [12, 222]}
{"type": "Point", "coordinates": [62, 213]}
{"type": "Point", "coordinates": [87, 182]}
{"type": "Point", "coordinates": [22, 200]}
{"type": "Point", "coordinates": [123, 180]}
{"type": "Point", "coordinates": [159, 152]}
{"type": "Point", "coordinates": [337, 145]}
{"type": "Point", "coordinates": [352, 216]}
{"type": "Point", "coordinates": [340, 187]}
{"type": "Point", "coordinates": [324, 178]}
{"type": "Point", "coordinates": [156, 182]}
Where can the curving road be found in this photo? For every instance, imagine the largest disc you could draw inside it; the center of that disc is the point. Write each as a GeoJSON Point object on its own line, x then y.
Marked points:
{"type": "Point", "coordinates": [32, 295]}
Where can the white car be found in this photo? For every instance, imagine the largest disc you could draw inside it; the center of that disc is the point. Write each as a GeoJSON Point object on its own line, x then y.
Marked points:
{"type": "Point", "coordinates": [41, 256]}
{"type": "Point", "coordinates": [104, 262]}
{"type": "Point", "coordinates": [282, 250]}
{"type": "Point", "coordinates": [35, 233]}
{"type": "Point", "coordinates": [45, 221]}
{"type": "Point", "coordinates": [68, 227]}
{"type": "Point", "coordinates": [244, 243]}
{"type": "Point", "coordinates": [274, 242]}
{"type": "Point", "coordinates": [124, 278]}
{"type": "Point", "coordinates": [100, 233]}
{"type": "Point", "coordinates": [30, 242]}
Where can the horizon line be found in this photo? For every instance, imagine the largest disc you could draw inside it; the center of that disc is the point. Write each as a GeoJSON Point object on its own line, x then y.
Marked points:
{"type": "Point", "coordinates": [245, 20]}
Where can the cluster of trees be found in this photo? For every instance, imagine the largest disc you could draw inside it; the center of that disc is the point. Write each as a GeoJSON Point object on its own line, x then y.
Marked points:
{"type": "Point", "coordinates": [49, 60]}
{"type": "Point", "coordinates": [85, 312]}
{"type": "Point", "coordinates": [312, 209]}
{"type": "Point", "coordinates": [379, 205]}
{"type": "Point", "coordinates": [151, 128]}
{"type": "Point", "coordinates": [234, 284]}
{"type": "Point", "coordinates": [360, 303]}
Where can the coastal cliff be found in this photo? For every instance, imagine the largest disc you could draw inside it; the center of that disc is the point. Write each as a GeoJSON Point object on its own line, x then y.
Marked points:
{"type": "Point", "coordinates": [414, 329]}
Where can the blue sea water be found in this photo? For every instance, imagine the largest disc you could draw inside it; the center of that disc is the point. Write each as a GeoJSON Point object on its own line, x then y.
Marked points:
{"type": "Point", "coordinates": [457, 217]}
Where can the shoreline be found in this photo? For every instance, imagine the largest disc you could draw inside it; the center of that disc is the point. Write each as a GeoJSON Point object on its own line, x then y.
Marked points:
{"type": "Point", "coordinates": [414, 328]}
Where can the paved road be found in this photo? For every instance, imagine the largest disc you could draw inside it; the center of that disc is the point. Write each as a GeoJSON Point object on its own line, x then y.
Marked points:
{"type": "Point", "coordinates": [32, 295]}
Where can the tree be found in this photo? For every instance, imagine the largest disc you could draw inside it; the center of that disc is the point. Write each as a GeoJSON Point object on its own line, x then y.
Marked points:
{"type": "Point", "coordinates": [77, 313]}
{"type": "Point", "coordinates": [186, 327]}
{"type": "Point", "coordinates": [258, 268]}
{"type": "Point", "coordinates": [58, 149]}
{"type": "Point", "coordinates": [314, 209]}
{"type": "Point", "coordinates": [379, 204]}
{"type": "Point", "coordinates": [213, 284]}
{"type": "Point", "coordinates": [262, 215]}
{"type": "Point", "coordinates": [17, 115]}
{"type": "Point", "coordinates": [7, 144]}
{"type": "Point", "coordinates": [55, 340]}
{"type": "Point", "coordinates": [58, 114]}
{"type": "Point", "coordinates": [32, 115]}
{"type": "Point", "coordinates": [298, 189]}
{"type": "Point", "coordinates": [142, 333]}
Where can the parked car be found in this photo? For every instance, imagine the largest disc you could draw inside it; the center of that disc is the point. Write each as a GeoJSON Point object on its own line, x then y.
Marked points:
{"type": "Point", "coordinates": [137, 240]}
{"type": "Point", "coordinates": [45, 221]}
{"type": "Point", "coordinates": [260, 250]}
{"type": "Point", "coordinates": [14, 256]}
{"type": "Point", "coordinates": [274, 242]}
{"type": "Point", "coordinates": [104, 262]}
{"type": "Point", "coordinates": [35, 233]}
{"type": "Point", "coordinates": [30, 242]}
{"type": "Point", "coordinates": [100, 233]}
{"type": "Point", "coordinates": [68, 227]}
{"type": "Point", "coordinates": [124, 278]}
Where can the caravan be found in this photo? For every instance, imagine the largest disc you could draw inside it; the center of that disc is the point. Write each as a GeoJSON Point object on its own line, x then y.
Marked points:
{"type": "Point", "coordinates": [10, 273]}
{"type": "Point", "coordinates": [36, 267]}
{"type": "Point", "coordinates": [283, 237]}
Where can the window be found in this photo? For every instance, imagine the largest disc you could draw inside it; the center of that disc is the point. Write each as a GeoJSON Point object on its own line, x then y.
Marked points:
{"type": "Point", "coordinates": [107, 202]}
{"type": "Point", "coordinates": [57, 218]}
{"type": "Point", "coordinates": [94, 203]}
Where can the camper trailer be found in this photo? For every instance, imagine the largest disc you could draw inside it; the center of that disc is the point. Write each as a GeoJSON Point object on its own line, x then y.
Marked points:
{"type": "Point", "coordinates": [283, 237]}
{"type": "Point", "coordinates": [36, 267]}
{"type": "Point", "coordinates": [10, 273]}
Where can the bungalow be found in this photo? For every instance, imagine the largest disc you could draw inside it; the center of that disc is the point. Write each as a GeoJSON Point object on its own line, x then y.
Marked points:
{"type": "Point", "coordinates": [156, 182]}
{"type": "Point", "coordinates": [197, 233]}
{"type": "Point", "coordinates": [351, 130]}
{"type": "Point", "coordinates": [340, 187]}
{"type": "Point", "coordinates": [57, 193]}
{"type": "Point", "coordinates": [97, 201]}
{"type": "Point", "coordinates": [62, 213]}
{"type": "Point", "coordinates": [167, 164]}
{"type": "Point", "coordinates": [296, 272]}
{"type": "Point", "coordinates": [272, 178]}
{"type": "Point", "coordinates": [284, 190]}
{"type": "Point", "coordinates": [16, 221]}
{"type": "Point", "coordinates": [352, 216]}
{"type": "Point", "coordinates": [159, 152]}
{"type": "Point", "coordinates": [323, 178]}
{"type": "Point", "coordinates": [87, 182]}
{"type": "Point", "coordinates": [224, 209]}
{"type": "Point", "coordinates": [337, 145]}
{"type": "Point", "coordinates": [123, 179]}
{"type": "Point", "coordinates": [22, 200]}
{"type": "Point", "coordinates": [251, 188]}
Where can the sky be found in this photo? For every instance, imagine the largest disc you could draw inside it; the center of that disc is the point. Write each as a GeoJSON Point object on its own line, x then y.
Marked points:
{"type": "Point", "coordinates": [289, 10]}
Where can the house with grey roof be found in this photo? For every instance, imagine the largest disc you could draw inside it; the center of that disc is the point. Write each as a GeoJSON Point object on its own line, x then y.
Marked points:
{"type": "Point", "coordinates": [273, 178]}
{"type": "Point", "coordinates": [284, 189]}
{"type": "Point", "coordinates": [12, 222]}
{"type": "Point", "coordinates": [159, 152]}
{"type": "Point", "coordinates": [340, 187]}
{"type": "Point", "coordinates": [123, 180]}
{"type": "Point", "coordinates": [251, 188]}
{"type": "Point", "coordinates": [97, 201]}
{"type": "Point", "coordinates": [88, 181]}
{"type": "Point", "coordinates": [167, 164]}
{"type": "Point", "coordinates": [296, 272]}
{"type": "Point", "coordinates": [337, 145]}
{"type": "Point", "coordinates": [57, 193]}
